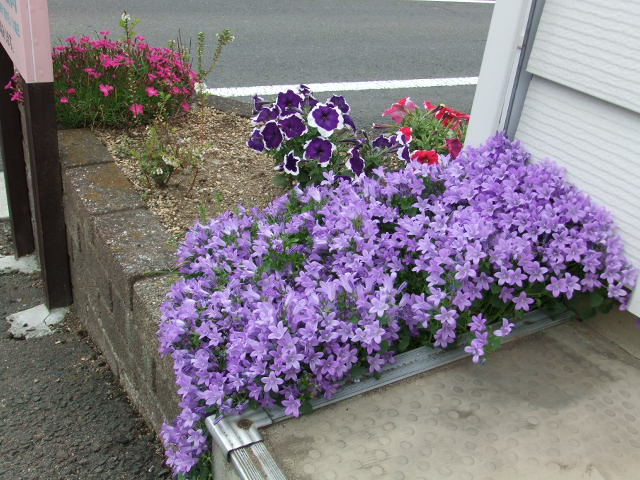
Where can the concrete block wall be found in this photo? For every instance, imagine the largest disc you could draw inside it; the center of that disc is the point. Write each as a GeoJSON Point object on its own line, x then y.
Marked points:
{"type": "Point", "coordinates": [120, 261]}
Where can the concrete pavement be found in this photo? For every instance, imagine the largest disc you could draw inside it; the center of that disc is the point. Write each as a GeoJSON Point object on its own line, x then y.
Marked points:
{"type": "Point", "coordinates": [561, 404]}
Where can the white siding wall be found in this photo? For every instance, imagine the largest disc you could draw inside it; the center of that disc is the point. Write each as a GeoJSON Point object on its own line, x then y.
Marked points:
{"type": "Point", "coordinates": [592, 46]}
{"type": "Point", "coordinates": [599, 145]}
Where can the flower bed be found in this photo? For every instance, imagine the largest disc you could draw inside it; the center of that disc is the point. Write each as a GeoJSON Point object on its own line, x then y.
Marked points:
{"type": "Point", "coordinates": [280, 305]}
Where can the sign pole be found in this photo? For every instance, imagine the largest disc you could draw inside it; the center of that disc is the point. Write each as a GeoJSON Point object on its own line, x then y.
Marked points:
{"type": "Point", "coordinates": [15, 173]}
{"type": "Point", "coordinates": [24, 36]}
{"type": "Point", "coordinates": [46, 186]}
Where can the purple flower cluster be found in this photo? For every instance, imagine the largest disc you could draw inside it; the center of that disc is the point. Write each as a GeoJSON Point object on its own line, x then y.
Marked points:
{"type": "Point", "coordinates": [281, 305]}
{"type": "Point", "coordinates": [308, 138]}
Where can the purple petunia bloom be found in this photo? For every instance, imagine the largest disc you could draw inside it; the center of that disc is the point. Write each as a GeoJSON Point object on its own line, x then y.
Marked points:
{"type": "Point", "coordinates": [382, 142]}
{"type": "Point", "coordinates": [272, 136]}
{"type": "Point", "coordinates": [258, 103]}
{"type": "Point", "coordinates": [319, 149]}
{"type": "Point", "coordinates": [340, 102]}
{"type": "Point", "coordinates": [326, 118]}
{"type": "Point", "coordinates": [289, 100]}
{"type": "Point", "coordinates": [348, 121]}
{"type": "Point", "coordinates": [256, 142]}
{"type": "Point", "coordinates": [267, 114]}
{"type": "Point", "coordinates": [355, 162]}
{"type": "Point", "coordinates": [292, 126]}
{"type": "Point", "coordinates": [290, 164]}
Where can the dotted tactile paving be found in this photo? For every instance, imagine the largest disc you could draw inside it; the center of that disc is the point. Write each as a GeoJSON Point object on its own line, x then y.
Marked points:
{"type": "Point", "coordinates": [563, 404]}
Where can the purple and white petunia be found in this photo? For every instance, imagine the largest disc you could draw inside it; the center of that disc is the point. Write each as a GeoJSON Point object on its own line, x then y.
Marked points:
{"type": "Point", "coordinates": [272, 135]}
{"type": "Point", "coordinates": [355, 162]}
{"type": "Point", "coordinates": [289, 100]}
{"type": "Point", "coordinates": [340, 102]}
{"type": "Point", "coordinates": [326, 118]}
{"type": "Point", "coordinates": [290, 164]}
{"type": "Point", "coordinates": [319, 149]}
{"type": "Point", "coordinates": [292, 126]}
{"type": "Point", "coordinates": [267, 114]}
{"type": "Point", "coordinates": [256, 142]}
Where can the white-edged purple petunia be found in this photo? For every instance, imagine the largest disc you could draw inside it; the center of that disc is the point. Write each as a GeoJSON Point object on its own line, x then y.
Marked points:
{"type": "Point", "coordinates": [340, 102]}
{"type": "Point", "coordinates": [319, 149]}
{"type": "Point", "coordinates": [267, 114]}
{"type": "Point", "coordinates": [272, 135]}
{"type": "Point", "coordinates": [292, 126]}
{"type": "Point", "coordinates": [289, 100]}
{"type": "Point", "coordinates": [355, 162]}
{"type": "Point", "coordinates": [326, 118]}
{"type": "Point", "coordinates": [404, 153]}
{"type": "Point", "coordinates": [290, 164]}
{"type": "Point", "coordinates": [256, 142]}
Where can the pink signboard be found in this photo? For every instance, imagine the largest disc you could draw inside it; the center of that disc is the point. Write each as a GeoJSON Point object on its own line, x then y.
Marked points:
{"type": "Point", "coordinates": [24, 34]}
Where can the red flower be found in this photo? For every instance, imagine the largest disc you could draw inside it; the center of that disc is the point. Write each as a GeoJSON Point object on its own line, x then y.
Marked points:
{"type": "Point", "coordinates": [454, 146]}
{"type": "Point", "coordinates": [430, 157]}
{"type": "Point", "coordinates": [399, 110]}
{"type": "Point", "coordinates": [407, 132]}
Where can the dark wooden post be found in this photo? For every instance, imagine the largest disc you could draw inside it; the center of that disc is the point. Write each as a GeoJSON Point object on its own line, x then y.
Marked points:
{"type": "Point", "coordinates": [15, 173]}
{"type": "Point", "coordinates": [46, 186]}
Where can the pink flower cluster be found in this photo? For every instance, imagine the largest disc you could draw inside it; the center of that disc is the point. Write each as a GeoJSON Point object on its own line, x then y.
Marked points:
{"type": "Point", "coordinates": [115, 82]}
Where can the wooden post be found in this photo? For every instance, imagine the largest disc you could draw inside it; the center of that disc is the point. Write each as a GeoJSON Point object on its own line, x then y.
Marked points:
{"type": "Point", "coordinates": [46, 187]}
{"type": "Point", "coordinates": [15, 173]}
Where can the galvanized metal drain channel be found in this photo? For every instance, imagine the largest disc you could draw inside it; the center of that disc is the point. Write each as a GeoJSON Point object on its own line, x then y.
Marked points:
{"type": "Point", "coordinates": [240, 441]}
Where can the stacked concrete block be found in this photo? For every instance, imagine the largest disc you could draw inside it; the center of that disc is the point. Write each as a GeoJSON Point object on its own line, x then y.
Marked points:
{"type": "Point", "coordinates": [121, 261]}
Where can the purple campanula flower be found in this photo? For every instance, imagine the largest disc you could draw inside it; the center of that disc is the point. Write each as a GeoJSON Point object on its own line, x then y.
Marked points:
{"type": "Point", "coordinates": [355, 162]}
{"type": "Point", "coordinates": [478, 323]}
{"type": "Point", "coordinates": [326, 118]}
{"type": "Point", "coordinates": [290, 164]}
{"type": "Point", "coordinates": [256, 141]}
{"type": "Point", "coordinates": [319, 149]}
{"type": "Point", "coordinates": [272, 383]}
{"type": "Point", "coordinates": [318, 317]}
{"type": "Point", "coordinates": [522, 301]}
{"type": "Point", "coordinates": [340, 102]}
{"type": "Point", "coordinates": [272, 135]}
{"type": "Point", "coordinates": [292, 406]}
{"type": "Point", "coordinates": [505, 330]}
{"type": "Point", "coordinates": [292, 126]}
{"type": "Point", "coordinates": [288, 100]}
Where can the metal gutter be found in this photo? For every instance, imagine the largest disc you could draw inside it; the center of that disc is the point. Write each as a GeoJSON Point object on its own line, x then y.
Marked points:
{"type": "Point", "coordinates": [240, 442]}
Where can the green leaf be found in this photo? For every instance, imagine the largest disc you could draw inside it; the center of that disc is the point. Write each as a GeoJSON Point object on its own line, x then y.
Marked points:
{"type": "Point", "coordinates": [281, 180]}
{"type": "Point", "coordinates": [358, 371]}
{"type": "Point", "coordinates": [403, 343]}
{"type": "Point", "coordinates": [596, 299]}
{"type": "Point", "coordinates": [306, 407]}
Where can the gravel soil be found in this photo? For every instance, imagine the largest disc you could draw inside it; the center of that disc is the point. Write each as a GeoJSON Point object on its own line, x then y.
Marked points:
{"type": "Point", "coordinates": [62, 413]}
{"type": "Point", "coordinates": [229, 173]}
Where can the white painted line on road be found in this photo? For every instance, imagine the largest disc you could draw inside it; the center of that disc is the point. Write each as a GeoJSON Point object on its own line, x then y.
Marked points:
{"type": "Point", "coordinates": [346, 86]}
{"type": "Point", "coordinates": [457, 1]}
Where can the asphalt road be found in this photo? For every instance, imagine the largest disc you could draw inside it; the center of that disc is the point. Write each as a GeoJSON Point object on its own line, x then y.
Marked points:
{"type": "Point", "coordinates": [306, 41]}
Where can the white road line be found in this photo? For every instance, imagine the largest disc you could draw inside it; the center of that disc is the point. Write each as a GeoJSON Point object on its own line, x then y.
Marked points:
{"type": "Point", "coordinates": [457, 1]}
{"type": "Point", "coordinates": [346, 86]}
